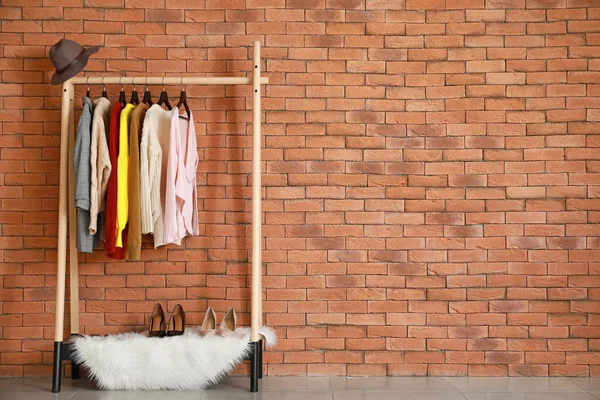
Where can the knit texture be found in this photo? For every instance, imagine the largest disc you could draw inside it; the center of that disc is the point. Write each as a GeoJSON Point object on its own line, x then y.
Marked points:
{"type": "Point", "coordinates": [123, 175]}
{"type": "Point", "coordinates": [134, 229]}
{"type": "Point", "coordinates": [82, 168]}
{"type": "Point", "coordinates": [99, 161]}
{"type": "Point", "coordinates": [156, 129]}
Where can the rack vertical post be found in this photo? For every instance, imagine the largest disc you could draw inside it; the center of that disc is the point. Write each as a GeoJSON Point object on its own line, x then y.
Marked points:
{"type": "Point", "coordinates": [67, 100]}
{"type": "Point", "coordinates": [256, 221]}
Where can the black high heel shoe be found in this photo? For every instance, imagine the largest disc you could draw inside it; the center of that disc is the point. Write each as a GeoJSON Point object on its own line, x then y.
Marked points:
{"type": "Point", "coordinates": [157, 322]}
{"type": "Point", "coordinates": [176, 322]}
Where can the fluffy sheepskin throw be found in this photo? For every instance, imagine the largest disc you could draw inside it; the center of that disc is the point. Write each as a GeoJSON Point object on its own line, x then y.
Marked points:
{"type": "Point", "coordinates": [134, 361]}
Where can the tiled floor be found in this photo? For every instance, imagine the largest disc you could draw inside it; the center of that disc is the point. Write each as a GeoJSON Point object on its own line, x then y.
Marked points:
{"type": "Point", "coordinates": [334, 388]}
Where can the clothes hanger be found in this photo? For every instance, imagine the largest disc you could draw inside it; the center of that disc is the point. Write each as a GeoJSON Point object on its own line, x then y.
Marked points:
{"type": "Point", "coordinates": [87, 93]}
{"type": "Point", "coordinates": [164, 97]}
{"type": "Point", "coordinates": [183, 100]}
{"type": "Point", "coordinates": [122, 98]}
{"type": "Point", "coordinates": [147, 96]}
{"type": "Point", "coordinates": [134, 95]}
{"type": "Point", "coordinates": [104, 94]}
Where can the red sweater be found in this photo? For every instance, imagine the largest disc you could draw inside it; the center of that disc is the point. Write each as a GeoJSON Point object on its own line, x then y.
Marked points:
{"type": "Point", "coordinates": [110, 228]}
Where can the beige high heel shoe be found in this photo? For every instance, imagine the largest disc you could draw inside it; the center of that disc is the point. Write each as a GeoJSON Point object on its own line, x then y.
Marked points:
{"type": "Point", "coordinates": [209, 324]}
{"type": "Point", "coordinates": [228, 323]}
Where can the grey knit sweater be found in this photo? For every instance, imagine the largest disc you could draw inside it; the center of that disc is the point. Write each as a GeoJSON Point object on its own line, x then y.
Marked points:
{"type": "Point", "coordinates": [81, 164]}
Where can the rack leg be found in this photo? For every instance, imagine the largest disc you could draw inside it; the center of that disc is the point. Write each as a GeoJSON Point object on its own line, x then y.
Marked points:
{"type": "Point", "coordinates": [260, 360]}
{"type": "Point", "coordinates": [254, 367]}
{"type": "Point", "coordinates": [56, 368]}
{"type": "Point", "coordinates": [62, 235]}
{"type": "Point", "coordinates": [256, 286]}
{"type": "Point", "coordinates": [74, 370]}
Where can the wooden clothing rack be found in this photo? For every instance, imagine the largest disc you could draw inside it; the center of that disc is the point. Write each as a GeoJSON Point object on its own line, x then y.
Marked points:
{"type": "Point", "coordinates": [62, 351]}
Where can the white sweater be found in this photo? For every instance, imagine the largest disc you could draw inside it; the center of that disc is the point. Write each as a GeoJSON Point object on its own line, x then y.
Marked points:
{"type": "Point", "coordinates": [155, 131]}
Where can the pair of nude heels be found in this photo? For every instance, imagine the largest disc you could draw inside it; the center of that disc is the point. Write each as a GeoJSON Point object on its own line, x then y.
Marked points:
{"type": "Point", "coordinates": [226, 327]}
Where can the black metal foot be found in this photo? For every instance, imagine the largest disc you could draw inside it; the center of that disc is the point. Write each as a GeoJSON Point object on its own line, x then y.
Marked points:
{"type": "Point", "coordinates": [260, 360]}
{"type": "Point", "coordinates": [74, 370]}
{"type": "Point", "coordinates": [254, 367]}
{"type": "Point", "coordinates": [56, 368]}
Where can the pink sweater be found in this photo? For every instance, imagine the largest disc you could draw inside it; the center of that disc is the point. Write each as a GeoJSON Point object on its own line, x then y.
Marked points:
{"type": "Point", "coordinates": [181, 196]}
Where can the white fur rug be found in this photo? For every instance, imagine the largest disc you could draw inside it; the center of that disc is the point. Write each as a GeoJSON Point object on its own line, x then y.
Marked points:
{"type": "Point", "coordinates": [134, 361]}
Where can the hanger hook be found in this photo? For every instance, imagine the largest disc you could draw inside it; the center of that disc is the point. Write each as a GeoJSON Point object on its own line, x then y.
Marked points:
{"type": "Point", "coordinates": [146, 83]}
{"type": "Point", "coordinates": [163, 83]}
{"type": "Point", "coordinates": [103, 85]}
{"type": "Point", "coordinates": [121, 82]}
{"type": "Point", "coordinates": [182, 85]}
{"type": "Point", "coordinates": [88, 83]}
{"type": "Point", "coordinates": [133, 83]}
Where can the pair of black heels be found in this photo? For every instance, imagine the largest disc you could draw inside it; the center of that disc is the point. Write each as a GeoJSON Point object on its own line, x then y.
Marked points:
{"type": "Point", "coordinates": [158, 326]}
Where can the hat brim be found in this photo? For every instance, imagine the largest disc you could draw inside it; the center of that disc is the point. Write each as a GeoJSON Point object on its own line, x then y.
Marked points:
{"type": "Point", "coordinates": [76, 68]}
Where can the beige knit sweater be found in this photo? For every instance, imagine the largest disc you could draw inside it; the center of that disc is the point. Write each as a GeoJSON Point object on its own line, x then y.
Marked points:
{"type": "Point", "coordinates": [155, 132]}
{"type": "Point", "coordinates": [100, 160]}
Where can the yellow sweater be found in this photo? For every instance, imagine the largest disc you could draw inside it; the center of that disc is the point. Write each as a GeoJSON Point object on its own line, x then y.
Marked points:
{"type": "Point", "coordinates": [123, 173]}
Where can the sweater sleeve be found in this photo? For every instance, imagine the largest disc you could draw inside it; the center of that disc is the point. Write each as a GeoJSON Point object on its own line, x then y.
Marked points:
{"type": "Point", "coordinates": [81, 161]}
{"type": "Point", "coordinates": [155, 156]}
{"type": "Point", "coordinates": [104, 168]}
{"type": "Point", "coordinates": [145, 203]}
{"type": "Point", "coordinates": [81, 164]}
{"type": "Point", "coordinates": [170, 215]}
{"type": "Point", "coordinates": [123, 174]}
{"type": "Point", "coordinates": [94, 174]}
{"type": "Point", "coordinates": [193, 154]}
{"type": "Point", "coordinates": [100, 162]}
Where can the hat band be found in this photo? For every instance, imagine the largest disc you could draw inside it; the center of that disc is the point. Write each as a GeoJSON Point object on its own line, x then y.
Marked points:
{"type": "Point", "coordinates": [72, 63]}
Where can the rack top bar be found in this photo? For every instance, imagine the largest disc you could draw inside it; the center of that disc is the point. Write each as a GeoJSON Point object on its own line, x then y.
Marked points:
{"type": "Point", "coordinates": [171, 80]}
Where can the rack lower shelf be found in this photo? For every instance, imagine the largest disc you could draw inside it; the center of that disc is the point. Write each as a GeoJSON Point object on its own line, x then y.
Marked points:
{"type": "Point", "coordinates": [63, 351]}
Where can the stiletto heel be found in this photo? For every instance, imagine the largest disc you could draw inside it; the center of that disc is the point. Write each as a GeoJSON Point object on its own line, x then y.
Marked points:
{"type": "Point", "coordinates": [228, 323]}
{"type": "Point", "coordinates": [176, 322]}
{"type": "Point", "coordinates": [157, 322]}
{"type": "Point", "coordinates": [210, 322]}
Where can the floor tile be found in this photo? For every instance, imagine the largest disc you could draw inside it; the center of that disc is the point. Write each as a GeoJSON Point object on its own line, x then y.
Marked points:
{"type": "Point", "coordinates": [224, 395]}
{"type": "Point", "coordinates": [586, 383]}
{"type": "Point", "coordinates": [141, 395]}
{"type": "Point", "coordinates": [235, 384]}
{"type": "Point", "coordinates": [361, 383]}
{"type": "Point", "coordinates": [389, 383]}
{"type": "Point", "coordinates": [295, 384]}
{"type": "Point", "coordinates": [529, 396]}
{"type": "Point", "coordinates": [41, 384]}
{"type": "Point", "coordinates": [48, 395]}
{"type": "Point", "coordinates": [505, 384]}
{"type": "Point", "coordinates": [425, 383]}
{"type": "Point", "coordinates": [397, 395]}
{"type": "Point", "coordinates": [287, 396]}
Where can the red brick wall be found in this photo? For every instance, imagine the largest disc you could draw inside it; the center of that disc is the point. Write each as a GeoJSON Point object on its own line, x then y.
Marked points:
{"type": "Point", "coordinates": [431, 172]}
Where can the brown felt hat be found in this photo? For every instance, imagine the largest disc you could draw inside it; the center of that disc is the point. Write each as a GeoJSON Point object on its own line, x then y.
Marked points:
{"type": "Point", "coordinates": [68, 58]}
